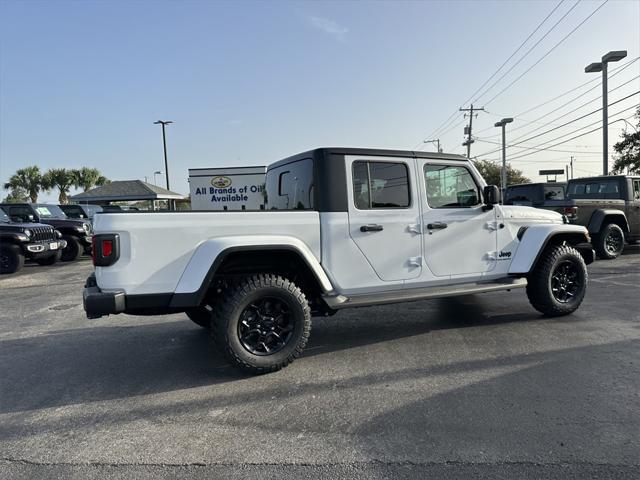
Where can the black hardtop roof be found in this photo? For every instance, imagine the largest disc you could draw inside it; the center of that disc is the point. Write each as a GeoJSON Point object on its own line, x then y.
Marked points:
{"type": "Point", "coordinates": [602, 177]}
{"type": "Point", "coordinates": [324, 152]}
{"type": "Point", "coordinates": [564, 184]}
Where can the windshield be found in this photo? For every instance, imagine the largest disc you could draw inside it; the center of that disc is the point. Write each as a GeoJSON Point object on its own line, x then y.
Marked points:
{"type": "Point", "coordinates": [49, 211]}
{"type": "Point", "coordinates": [4, 218]}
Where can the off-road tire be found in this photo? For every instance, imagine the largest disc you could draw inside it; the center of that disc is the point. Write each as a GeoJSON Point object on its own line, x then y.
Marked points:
{"type": "Point", "coordinates": [50, 260]}
{"type": "Point", "coordinates": [540, 289]}
{"type": "Point", "coordinates": [11, 259]}
{"type": "Point", "coordinates": [602, 248]}
{"type": "Point", "coordinates": [227, 312]}
{"type": "Point", "coordinates": [201, 316]}
{"type": "Point", "coordinates": [73, 250]}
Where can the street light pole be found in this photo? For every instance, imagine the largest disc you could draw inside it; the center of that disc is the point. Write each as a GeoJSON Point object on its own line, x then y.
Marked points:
{"type": "Point", "coordinates": [503, 180]}
{"type": "Point", "coordinates": [601, 66]}
{"type": "Point", "coordinates": [157, 172]}
{"type": "Point", "coordinates": [164, 144]}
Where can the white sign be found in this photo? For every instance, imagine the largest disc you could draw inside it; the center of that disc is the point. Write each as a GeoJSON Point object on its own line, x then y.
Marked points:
{"type": "Point", "coordinates": [237, 188]}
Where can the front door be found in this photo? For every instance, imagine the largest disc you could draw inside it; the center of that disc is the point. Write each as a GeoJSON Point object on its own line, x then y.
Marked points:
{"type": "Point", "coordinates": [384, 215]}
{"type": "Point", "coordinates": [459, 235]}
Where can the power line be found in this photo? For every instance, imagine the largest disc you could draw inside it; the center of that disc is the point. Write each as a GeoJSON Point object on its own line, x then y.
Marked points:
{"type": "Point", "coordinates": [614, 72]}
{"type": "Point", "coordinates": [563, 125]}
{"type": "Point", "coordinates": [517, 50]}
{"type": "Point", "coordinates": [546, 54]}
{"type": "Point", "coordinates": [573, 138]}
{"type": "Point", "coordinates": [528, 51]}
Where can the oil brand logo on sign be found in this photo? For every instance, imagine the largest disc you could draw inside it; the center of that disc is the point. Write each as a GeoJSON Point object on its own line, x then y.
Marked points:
{"type": "Point", "coordinates": [221, 182]}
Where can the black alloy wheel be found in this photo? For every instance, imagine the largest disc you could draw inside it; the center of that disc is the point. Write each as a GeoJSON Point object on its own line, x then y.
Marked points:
{"type": "Point", "coordinates": [565, 281]}
{"type": "Point", "coordinates": [614, 242]}
{"type": "Point", "coordinates": [265, 326]}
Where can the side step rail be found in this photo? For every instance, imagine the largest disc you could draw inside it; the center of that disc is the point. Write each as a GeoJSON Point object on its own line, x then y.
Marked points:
{"type": "Point", "coordinates": [380, 298]}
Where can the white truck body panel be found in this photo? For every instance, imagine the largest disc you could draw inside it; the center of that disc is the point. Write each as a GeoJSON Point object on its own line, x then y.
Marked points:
{"type": "Point", "coordinates": [163, 244]}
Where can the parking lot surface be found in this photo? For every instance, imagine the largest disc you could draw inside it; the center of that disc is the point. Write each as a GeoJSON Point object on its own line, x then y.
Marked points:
{"type": "Point", "coordinates": [479, 386]}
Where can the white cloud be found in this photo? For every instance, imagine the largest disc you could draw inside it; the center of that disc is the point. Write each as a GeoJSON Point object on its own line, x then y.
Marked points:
{"type": "Point", "coordinates": [234, 122]}
{"type": "Point", "coordinates": [328, 26]}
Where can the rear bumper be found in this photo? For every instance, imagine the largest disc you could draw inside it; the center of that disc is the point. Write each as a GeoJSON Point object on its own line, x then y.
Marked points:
{"type": "Point", "coordinates": [97, 303]}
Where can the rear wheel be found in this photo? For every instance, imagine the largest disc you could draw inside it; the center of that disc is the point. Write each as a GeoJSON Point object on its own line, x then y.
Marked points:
{"type": "Point", "coordinates": [609, 243]}
{"type": "Point", "coordinates": [73, 250]}
{"type": "Point", "coordinates": [558, 282]}
{"type": "Point", "coordinates": [11, 259]}
{"type": "Point", "coordinates": [262, 324]}
{"type": "Point", "coordinates": [51, 259]}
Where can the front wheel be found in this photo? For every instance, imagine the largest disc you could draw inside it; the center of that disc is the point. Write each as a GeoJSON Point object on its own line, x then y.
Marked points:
{"type": "Point", "coordinates": [558, 282]}
{"type": "Point", "coordinates": [73, 250]}
{"type": "Point", "coordinates": [262, 324]}
{"type": "Point", "coordinates": [609, 243]}
{"type": "Point", "coordinates": [11, 258]}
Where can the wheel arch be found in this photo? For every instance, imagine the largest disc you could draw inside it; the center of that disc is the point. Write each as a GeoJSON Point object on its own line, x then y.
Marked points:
{"type": "Point", "coordinates": [599, 218]}
{"type": "Point", "coordinates": [235, 257]}
{"type": "Point", "coordinates": [537, 239]}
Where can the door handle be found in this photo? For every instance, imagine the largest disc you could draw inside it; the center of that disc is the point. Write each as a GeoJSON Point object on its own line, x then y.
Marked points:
{"type": "Point", "coordinates": [371, 228]}
{"type": "Point", "coordinates": [436, 226]}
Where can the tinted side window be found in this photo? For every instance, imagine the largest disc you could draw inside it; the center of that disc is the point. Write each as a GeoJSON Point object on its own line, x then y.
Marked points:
{"type": "Point", "coordinates": [605, 188]}
{"type": "Point", "coordinates": [291, 187]}
{"type": "Point", "coordinates": [450, 186]}
{"type": "Point", "coordinates": [20, 212]}
{"type": "Point", "coordinates": [380, 185]}
{"type": "Point", "coordinates": [519, 194]}
{"type": "Point", "coordinates": [553, 192]}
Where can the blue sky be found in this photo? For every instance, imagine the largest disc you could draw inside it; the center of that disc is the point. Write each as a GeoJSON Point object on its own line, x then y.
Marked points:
{"type": "Point", "coordinates": [247, 83]}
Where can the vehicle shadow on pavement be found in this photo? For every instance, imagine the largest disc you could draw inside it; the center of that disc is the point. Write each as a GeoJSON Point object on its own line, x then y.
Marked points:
{"type": "Point", "coordinates": [109, 362]}
{"type": "Point", "coordinates": [102, 363]}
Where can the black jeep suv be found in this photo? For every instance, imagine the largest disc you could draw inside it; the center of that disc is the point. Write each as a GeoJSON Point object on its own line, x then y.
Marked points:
{"type": "Point", "coordinates": [34, 241]}
{"type": "Point", "coordinates": [77, 233]}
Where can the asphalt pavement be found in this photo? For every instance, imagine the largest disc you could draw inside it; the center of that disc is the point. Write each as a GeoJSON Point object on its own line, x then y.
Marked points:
{"type": "Point", "coordinates": [473, 387]}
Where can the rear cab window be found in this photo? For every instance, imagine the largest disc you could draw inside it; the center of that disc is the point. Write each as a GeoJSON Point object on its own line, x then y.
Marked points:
{"type": "Point", "coordinates": [380, 185]}
{"type": "Point", "coordinates": [291, 186]}
{"type": "Point", "coordinates": [594, 188]}
{"type": "Point", "coordinates": [554, 192]}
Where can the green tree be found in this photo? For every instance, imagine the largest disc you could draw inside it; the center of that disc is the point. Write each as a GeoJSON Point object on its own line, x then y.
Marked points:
{"type": "Point", "coordinates": [28, 179]}
{"type": "Point", "coordinates": [491, 172]}
{"type": "Point", "coordinates": [16, 195]}
{"type": "Point", "coordinates": [62, 179]}
{"type": "Point", "coordinates": [628, 150]}
{"type": "Point", "coordinates": [87, 178]}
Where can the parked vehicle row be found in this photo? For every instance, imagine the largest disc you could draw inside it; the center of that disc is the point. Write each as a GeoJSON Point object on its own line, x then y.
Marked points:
{"type": "Point", "coordinates": [609, 206]}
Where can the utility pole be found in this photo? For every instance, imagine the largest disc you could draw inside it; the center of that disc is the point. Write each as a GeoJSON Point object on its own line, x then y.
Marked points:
{"type": "Point", "coordinates": [437, 141]}
{"type": "Point", "coordinates": [468, 129]}
{"type": "Point", "coordinates": [503, 180]}
{"type": "Point", "coordinates": [566, 171]}
{"type": "Point", "coordinates": [572, 167]}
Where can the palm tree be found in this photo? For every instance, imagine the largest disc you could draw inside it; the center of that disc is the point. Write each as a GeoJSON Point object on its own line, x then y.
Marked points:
{"type": "Point", "coordinates": [87, 178]}
{"type": "Point", "coordinates": [62, 179]}
{"type": "Point", "coordinates": [29, 179]}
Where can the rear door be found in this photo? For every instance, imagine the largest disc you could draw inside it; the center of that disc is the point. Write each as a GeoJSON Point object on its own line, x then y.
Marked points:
{"type": "Point", "coordinates": [384, 216]}
{"type": "Point", "coordinates": [634, 210]}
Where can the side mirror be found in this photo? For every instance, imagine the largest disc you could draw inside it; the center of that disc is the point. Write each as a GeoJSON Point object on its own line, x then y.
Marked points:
{"type": "Point", "coordinates": [31, 217]}
{"type": "Point", "coordinates": [491, 196]}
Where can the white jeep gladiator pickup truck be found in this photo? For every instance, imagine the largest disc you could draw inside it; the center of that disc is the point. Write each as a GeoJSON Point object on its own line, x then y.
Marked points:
{"type": "Point", "coordinates": [344, 228]}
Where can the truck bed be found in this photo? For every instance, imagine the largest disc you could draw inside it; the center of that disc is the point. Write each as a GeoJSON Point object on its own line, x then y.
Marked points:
{"type": "Point", "coordinates": [163, 243]}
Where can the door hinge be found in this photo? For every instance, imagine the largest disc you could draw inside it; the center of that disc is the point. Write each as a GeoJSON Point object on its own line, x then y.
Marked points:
{"type": "Point", "coordinates": [415, 228]}
{"type": "Point", "coordinates": [492, 225]}
{"type": "Point", "coordinates": [415, 261]}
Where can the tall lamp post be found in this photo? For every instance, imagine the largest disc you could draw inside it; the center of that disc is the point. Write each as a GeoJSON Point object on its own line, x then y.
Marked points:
{"type": "Point", "coordinates": [164, 144]}
{"type": "Point", "coordinates": [158, 172]}
{"type": "Point", "coordinates": [601, 66]}
{"type": "Point", "coordinates": [503, 182]}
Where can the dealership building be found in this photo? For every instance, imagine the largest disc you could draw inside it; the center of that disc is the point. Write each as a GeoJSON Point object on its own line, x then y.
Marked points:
{"type": "Point", "coordinates": [233, 188]}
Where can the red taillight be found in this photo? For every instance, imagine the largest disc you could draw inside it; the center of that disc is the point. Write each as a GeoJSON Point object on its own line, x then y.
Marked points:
{"type": "Point", "coordinates": [570, 211]}
{"type": "Point", "coordinates": [107, 248]}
